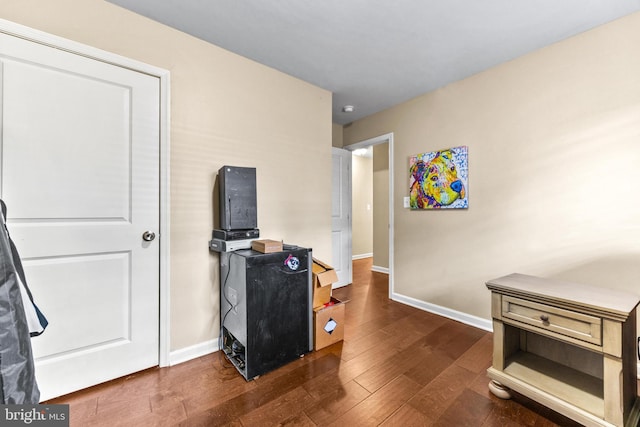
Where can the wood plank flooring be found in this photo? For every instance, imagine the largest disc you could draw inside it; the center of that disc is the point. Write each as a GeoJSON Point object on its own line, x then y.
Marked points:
{"type": "Point", "coordinates": [397, 366]}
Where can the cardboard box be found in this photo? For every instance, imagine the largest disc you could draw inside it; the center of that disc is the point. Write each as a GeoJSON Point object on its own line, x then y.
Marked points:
{"type": "Point", "coordinates": [266, 246]}
{"type": "Point", "coordinates": [328, 324]}
{"type": "Point", "coordinates": [321, 295]}
{"type": "Point", "coordinates": [323, 276]}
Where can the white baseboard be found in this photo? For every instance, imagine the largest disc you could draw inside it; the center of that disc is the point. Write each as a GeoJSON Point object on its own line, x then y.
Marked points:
{"type": "Point", "coordinates": [459, 316]}
{"type": "Point", "coordinates": [379, 269]}
{"type": "Point", "coordinates": [189, 353]}
{"type": "Point", "coordinates": [361, 256]}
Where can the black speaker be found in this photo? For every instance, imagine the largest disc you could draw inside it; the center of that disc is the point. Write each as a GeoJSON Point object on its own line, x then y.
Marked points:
{"type": "Point", "coordinates": [238, 209]}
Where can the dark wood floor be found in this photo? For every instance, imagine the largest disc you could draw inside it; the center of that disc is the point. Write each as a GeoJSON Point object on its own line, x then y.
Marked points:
{"type": "Point", "coordinates": [397, 366]}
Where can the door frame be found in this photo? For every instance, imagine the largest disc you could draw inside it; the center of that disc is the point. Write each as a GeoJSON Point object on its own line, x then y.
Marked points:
{"type": "Point", "coordinates": [388, 137]}
{"type": "Point", "coordinates": [40, 37]}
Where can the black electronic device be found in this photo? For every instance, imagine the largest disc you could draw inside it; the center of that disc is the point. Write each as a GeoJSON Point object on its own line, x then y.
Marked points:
{"type": "Point", "coordinates": [238, 210]}
{"type": "Point", "coordinates": [236, 234]}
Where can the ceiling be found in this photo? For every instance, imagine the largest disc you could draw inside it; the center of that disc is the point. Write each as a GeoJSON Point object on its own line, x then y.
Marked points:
{"type": "Point", "coordinates": [374, 54]}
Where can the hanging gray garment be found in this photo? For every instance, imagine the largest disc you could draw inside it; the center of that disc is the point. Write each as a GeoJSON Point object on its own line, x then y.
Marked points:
{"type": "Point", "coordinates": [17, 372]}
{"type": "Point", "coordinates": [36, 320]}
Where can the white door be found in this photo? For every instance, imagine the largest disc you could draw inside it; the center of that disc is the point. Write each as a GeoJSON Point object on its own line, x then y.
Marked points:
{"type": "Point", "coordinates": [341, 216]}
{"type": "Point", "coordinates": [80, 176]}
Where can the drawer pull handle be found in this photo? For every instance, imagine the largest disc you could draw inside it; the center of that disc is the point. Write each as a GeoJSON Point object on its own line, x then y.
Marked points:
{"type": "Point", "coordinates": [544, 317]}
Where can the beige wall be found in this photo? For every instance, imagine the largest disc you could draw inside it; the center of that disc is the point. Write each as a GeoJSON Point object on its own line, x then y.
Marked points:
{"type": "Point", "coordinates": [336, 135]}
{"type": "Point", "coordinates": [361, 205]}
{"type": "Point", "coordinates": [381, 205]}
{"type": "Point", "coordinates": [225, 109]}
{"type": "Point", "coordinates": [554, 149]}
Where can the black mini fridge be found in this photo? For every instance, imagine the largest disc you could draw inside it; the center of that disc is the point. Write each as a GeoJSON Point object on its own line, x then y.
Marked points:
{"type": "Point", "coordinates": [266, 315]}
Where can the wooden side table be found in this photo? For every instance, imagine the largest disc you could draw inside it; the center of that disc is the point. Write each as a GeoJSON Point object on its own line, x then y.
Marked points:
{"type": "Point", "coordinates": [568, 346]}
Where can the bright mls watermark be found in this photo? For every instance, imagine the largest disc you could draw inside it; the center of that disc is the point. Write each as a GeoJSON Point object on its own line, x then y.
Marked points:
{"type": "Point", "coordinates": [34, 415]}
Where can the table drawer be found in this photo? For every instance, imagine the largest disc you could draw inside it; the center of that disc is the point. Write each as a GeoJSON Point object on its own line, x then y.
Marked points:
{"type": "Point", "coordinates": [548, 318]}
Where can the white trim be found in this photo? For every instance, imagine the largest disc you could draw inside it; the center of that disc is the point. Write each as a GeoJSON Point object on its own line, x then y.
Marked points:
{"type": "Point", "coordinates": [379, 269]}
{"type": "Point", "coordinates": [362, 256]}
{"type": "Point", "coordinates": [40, 37]}
{"type": "Point", "coordinates": [388, 137]}
{"type": "Point", "coordinates": [193, 352]}
{"type": "Point", "coordinates": [165, 221]}
{"type": "Point", "coordinates": [459, 316]}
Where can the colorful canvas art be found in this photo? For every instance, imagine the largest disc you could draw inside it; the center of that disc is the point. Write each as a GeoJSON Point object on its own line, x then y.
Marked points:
{"type": "Point", "coordinates": [439, 179]}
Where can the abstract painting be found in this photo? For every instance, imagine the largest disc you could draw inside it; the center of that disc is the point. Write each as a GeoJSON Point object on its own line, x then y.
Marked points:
{"type": "Point", "coordinates": [438, 179]}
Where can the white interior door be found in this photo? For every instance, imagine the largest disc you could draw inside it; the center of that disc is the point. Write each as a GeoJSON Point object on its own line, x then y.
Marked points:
{"type": "Point", "coordinates": [341, 216]}
{"type": "Point", "coordinates": [80, 176]}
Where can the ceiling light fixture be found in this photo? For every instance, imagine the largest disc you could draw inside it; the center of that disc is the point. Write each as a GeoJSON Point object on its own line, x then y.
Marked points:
{"type": "Point", "coordinates": [348, 109]}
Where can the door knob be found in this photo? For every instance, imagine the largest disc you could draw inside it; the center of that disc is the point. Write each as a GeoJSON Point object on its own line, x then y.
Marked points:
{"type": "Point", "coordinates": [148, 236]}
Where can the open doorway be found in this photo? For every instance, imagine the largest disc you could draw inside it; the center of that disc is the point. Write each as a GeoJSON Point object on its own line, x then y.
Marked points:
{"type": "Point", "coordinates": [374, 210]}
{"type": "Point", "coordinates": [362, 211]}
